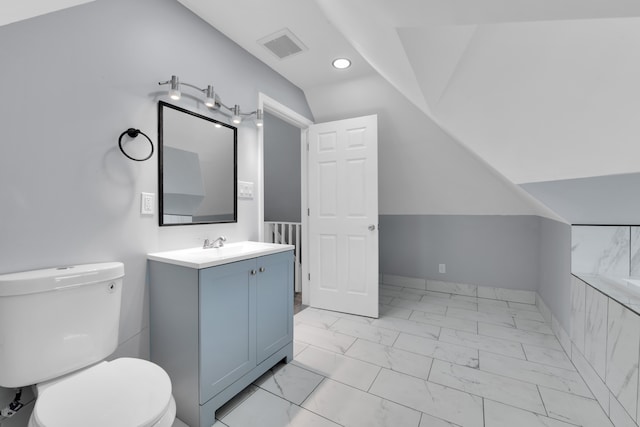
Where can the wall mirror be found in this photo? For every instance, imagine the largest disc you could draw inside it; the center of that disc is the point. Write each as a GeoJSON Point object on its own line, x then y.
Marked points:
{"type": "Point", "coordinates": [197, 167]}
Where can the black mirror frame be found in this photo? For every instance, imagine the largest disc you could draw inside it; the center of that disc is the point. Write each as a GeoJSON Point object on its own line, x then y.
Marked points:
{"type": "Point", "coordinates": [162, 104]}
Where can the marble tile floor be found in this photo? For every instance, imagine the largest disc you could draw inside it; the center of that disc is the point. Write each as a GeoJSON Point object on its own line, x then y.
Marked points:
{"type": "Point", "coordinates": [431, 360]}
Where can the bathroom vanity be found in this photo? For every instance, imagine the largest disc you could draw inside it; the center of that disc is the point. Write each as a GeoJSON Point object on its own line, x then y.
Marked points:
{"type": "Point", "coordinates": [219, 319]}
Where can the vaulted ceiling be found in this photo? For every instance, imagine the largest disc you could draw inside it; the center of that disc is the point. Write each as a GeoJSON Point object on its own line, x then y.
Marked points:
{"type": "Point", "coordinates": [541, 90]}
{"type": "Point", "coordinates": [18, 10]}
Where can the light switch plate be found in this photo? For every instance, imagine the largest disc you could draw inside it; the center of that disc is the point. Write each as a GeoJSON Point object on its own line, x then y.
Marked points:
{"type": "Point", "coordinates": [147, 203]}
{"type": "Point", "coordinates": [245, 190]}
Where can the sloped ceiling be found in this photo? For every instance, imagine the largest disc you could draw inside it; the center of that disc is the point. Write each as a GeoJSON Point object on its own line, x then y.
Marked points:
{"type": "Point", "coordinates": [550, 100]}
{"type": "Point", "coordinates": [541, 90]}
{"type": "Point", "coordinates": [18, 10]}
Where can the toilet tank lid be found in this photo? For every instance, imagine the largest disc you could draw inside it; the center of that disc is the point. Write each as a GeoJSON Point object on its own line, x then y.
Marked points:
{"type": "Point", "coordinates": [58, 278]}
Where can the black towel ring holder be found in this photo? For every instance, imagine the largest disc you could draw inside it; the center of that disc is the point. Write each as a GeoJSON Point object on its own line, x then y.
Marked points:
{"type": "Point", "coordinates": [132, 133]}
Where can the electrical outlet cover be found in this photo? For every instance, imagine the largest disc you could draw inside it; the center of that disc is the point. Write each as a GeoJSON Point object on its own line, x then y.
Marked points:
{"type": "Point", "coordinates": [147, 203]}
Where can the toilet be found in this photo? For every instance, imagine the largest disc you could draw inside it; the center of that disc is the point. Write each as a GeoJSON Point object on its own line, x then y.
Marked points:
{"type": "Point", "coordinates": [57, 326]}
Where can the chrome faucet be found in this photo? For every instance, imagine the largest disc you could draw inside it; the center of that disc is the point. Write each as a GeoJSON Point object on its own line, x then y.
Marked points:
{"type": "Point", "coordinates": [218, 243]}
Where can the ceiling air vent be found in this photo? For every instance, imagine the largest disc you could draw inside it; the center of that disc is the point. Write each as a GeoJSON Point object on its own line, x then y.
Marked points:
{"type": "Point", "coordinates": [283, 44]}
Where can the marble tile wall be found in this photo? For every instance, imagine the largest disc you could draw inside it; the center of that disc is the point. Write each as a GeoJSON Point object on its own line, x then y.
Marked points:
{"type": "Point", "coordinates": [635, 252]}
{"type": "Point", "coordinates": [605, 339]}
{"type": "Point", "coordinates": [602, 250]}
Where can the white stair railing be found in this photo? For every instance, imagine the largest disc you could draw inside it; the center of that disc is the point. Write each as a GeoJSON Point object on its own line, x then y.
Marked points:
{"type": "Point", "coordinates": [288, 233]}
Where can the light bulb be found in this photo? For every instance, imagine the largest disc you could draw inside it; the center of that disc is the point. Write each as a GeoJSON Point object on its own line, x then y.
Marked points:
{"type": "Point", "coordinates": [259, 118]}
{"type": "Point", "coordinates": [210, 100]}
{"type": "Point", "coordinates": [236, 115]}
{"type": "Point", "coordinates": [341, 63]}
{"type": "Point", "coordinates": [174, 91]}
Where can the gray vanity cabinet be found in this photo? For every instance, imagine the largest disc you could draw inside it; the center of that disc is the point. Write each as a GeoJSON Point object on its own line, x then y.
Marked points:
{"type": "Point", "coordinates": [227, 310]}
{"type": "Point", "coordinates": [274, 305]}
{"type": "Point", "coordinates": [216, 330]}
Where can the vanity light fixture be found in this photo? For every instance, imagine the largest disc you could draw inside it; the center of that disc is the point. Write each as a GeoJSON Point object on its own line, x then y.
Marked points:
{"type": "Point", "coordinates": [236, 115]}
{"type": "Point", "coordinates": [341, 63]}
{"type": "Point", "coordinates": [174, 90]}
{"type": "Point", "coordinates": [212, 101]}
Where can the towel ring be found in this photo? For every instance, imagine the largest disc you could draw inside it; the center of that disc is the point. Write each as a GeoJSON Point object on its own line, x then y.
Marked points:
{"type": "Point", "coordinates": [133, 133]}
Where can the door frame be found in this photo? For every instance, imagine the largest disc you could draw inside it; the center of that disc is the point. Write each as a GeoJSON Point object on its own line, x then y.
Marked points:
{"type": "Point", "coordinates": [281, 111]}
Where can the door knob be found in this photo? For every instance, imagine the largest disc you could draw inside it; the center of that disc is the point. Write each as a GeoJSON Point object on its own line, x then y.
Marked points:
{"type": "Point", "coordinates": [261, 269]}
{"type": "Point", "coordinates": [253, 272]}
{"type": "Point", "coordinates": [372, 227]}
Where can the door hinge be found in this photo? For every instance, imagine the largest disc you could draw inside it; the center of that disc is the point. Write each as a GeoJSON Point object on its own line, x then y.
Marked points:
{"type": "Point", "coordinates": [308, 212]}
{"type": "Point", "coordinates": [309, 276]}
{"type": "Point", "coordinates": [307, 146]}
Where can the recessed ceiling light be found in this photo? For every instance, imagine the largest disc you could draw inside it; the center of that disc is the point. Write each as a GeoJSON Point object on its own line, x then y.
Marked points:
{"type": "Point", "coordinates": [341, 63]}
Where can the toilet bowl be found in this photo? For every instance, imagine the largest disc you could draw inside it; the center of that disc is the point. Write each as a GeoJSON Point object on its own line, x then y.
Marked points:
{"type": "Point", "coordinates": [69, 322]}
{"type": "Point", "coordinates": [123, 392]}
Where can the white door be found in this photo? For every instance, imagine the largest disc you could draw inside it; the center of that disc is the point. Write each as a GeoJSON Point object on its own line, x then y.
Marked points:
{"type": "Point", "coordinates": [343, 216]}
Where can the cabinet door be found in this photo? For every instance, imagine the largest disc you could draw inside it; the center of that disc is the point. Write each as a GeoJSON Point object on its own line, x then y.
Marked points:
{"type": "Point", "coordinates": [274, 299]}
{"type": "Point", "coordinates": [227, 326]}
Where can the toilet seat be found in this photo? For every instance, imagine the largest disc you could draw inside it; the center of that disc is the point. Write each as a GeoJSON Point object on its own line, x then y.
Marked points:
{"type": "Point", "coordinates": [123, 392]}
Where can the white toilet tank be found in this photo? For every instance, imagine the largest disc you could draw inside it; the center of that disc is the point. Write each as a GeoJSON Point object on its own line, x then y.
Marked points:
{"type": "Point", "coordinates": [57, 320]}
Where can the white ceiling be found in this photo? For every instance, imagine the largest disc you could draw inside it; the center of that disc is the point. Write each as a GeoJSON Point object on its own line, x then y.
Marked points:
{"type": "Point", "coordinates": [540, 89]}
{"type": "Point", "coordinates": [247, 21]}
{"type": "Point", "coordinates": [18, 10]}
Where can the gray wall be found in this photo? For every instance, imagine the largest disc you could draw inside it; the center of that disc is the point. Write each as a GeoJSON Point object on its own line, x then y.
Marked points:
{"type": "Point", "coordinates": [77, 79]}
{"type": "Point", "coordinates": [524, 252]}
{"type": "Point", "coordinates": [281, 170]}
{"type": "Point", "coordinates": [486, 250]}
{"type": "Point", "coordinates": [609, 199]}
{"type": "Point", "coordinates": [555, 268]}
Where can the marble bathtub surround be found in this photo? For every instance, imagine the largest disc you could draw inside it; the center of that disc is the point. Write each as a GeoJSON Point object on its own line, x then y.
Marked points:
{"type": "Point", "coordinates": [603, 255]}
{"type": "Point", "coordinates": [601, 250]}
{"type": "Point", "coordinates": [596, 315]}
{"type": "Point", "coordinates": [635, 252]}
{"type": "Point", "coordinates": [456, 367]}
{"type": "Point", "coordinates": [593, 380]}
{"type": "Point", "coordinates": [577, 313]}
{"type": "Point", "coordinates": [623, 344]}
{"type": "Point", "coordinates": [605, 339]}
{"type": "Point", "coordinates": [614, 289]}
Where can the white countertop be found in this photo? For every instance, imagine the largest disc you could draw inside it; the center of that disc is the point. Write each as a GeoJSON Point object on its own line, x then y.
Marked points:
{"type": "Point", "coordinates": [231, 252]}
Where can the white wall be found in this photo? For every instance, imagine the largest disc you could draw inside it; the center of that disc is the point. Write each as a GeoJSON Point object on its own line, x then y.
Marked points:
{"type": "Point", "coordinates": [422, 170]}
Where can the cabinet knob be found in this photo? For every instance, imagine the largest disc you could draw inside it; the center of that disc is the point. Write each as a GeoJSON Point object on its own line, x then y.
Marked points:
{"type": "Point", "coordinates": [261, 269]}
{"type": "Point", "coordinates": [253, 272]}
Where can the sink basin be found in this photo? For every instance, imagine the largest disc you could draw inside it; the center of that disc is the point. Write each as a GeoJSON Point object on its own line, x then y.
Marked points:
{"type": "Point", "coordinates": [230, 252]}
